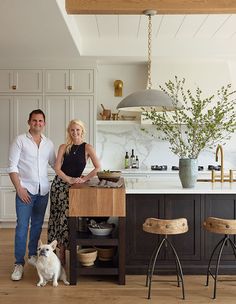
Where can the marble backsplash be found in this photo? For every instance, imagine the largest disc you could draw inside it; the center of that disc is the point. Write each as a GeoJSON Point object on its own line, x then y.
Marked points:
{"type": "Point", "coordinates": [113, 141]}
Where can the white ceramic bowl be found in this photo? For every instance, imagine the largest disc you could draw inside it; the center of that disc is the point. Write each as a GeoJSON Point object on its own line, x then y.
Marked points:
{"type": "Point", "coordinates": [101, 231]}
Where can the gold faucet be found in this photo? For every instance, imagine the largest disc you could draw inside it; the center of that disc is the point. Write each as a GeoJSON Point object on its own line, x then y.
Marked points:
{"type": "Point", "coordinates": [220, 148]}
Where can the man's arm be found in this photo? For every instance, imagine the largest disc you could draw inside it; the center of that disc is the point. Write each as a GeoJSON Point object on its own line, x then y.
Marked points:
{"type": "Point", "coordinates": [21, 192]}
{"type": "Point", "coordinates": [14, 156]}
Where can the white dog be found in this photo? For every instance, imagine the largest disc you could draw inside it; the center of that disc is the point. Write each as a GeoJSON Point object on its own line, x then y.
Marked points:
{"type": "Point", "coordinates": [49, 266]}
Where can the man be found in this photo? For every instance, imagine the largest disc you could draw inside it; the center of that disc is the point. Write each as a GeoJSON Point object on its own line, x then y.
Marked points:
{"type": "Point", "coordinates": [29, 156]}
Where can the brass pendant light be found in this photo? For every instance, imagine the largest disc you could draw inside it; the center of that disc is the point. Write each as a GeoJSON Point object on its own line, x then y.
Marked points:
{"type": "Point", "coordinates": [148, 98]}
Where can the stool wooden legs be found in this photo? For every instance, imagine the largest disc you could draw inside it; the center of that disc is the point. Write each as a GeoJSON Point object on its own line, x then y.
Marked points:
{"type": "Point", "coordinates": [152, 263]}
{"type": "Point", "coordinates": [220, 245]}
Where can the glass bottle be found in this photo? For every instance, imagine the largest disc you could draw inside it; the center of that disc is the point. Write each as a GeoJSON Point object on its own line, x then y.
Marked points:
{"type": "Point", "coordinates": [137, 162]}
{"type": "Point", "coordinates": [126, 160]}
{"type": "Point", "coordinates": [132, 159]}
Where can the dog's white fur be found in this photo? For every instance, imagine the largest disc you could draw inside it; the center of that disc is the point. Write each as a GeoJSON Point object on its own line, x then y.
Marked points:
{"type": "Point", "coordinates": [49, 266]}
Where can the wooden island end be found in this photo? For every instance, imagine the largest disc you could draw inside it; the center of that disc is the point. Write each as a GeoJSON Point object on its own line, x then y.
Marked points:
{"type": "Point", "coordinates": [87, 201]}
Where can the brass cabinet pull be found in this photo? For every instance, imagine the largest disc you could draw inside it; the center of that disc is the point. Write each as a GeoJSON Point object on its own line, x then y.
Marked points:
{"type": "Point", "coordinates": [14, 87]}
{"type": "Point", "coordinates": [69, 87]}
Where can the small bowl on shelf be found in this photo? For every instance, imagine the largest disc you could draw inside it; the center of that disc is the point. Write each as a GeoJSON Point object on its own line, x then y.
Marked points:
{"type": "Point", "coordinates": [87, 256]}
{"type": "Point", "coordinates": [105, 253]}
{"type": "Point", "coordinates": [112, 176]}
{"type": "Point", "coordinates": [101, 231]}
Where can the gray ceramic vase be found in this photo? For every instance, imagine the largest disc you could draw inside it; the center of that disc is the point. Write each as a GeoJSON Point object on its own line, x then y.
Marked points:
{"type": "Point", "coordinates": [188, 172]}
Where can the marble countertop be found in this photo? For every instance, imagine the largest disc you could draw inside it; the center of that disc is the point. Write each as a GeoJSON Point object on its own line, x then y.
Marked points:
{"type": "Point", "coordinates": [159, 186]}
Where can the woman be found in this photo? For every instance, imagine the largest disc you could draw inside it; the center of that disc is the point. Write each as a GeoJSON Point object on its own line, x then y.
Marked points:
{"type": "Point", "coordinates": [70, 163]}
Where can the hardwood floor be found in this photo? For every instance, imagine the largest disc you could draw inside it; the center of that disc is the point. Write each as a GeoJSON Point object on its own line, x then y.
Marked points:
{"type": "Point", "coordinates": [100, 290]}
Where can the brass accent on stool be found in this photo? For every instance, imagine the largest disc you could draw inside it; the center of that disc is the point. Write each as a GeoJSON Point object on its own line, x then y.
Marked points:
{"type": "Point", "coordinates": [219, 226]}
{"type": "Point", "coordinates": [164, 227]}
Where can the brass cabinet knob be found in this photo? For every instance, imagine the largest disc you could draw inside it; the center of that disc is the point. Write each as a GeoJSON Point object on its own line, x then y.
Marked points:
{"type": "Point", "coordinates": [69, 87]}
{"type": "Point", "coordinates": [14, 87]}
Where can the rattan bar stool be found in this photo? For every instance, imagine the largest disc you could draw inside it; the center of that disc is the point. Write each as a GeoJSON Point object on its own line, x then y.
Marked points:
{"type": "Point", "coordinates": [219, 226]}
{"type": "Point", "coordinates": [165, 228]}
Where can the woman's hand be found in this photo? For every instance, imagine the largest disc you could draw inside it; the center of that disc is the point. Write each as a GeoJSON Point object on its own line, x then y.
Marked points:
{"type": "Point", "coordinates": [71, 180]}
{"type": "Point", "coordinates": [76, 180]}
{"type": "Point", "coordinates": [81, 180]}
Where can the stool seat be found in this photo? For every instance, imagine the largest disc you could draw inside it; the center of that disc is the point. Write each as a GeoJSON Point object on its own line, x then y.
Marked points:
{"type": "Point", "coordinates": [165, 227]}
{"type": "Point", "coordinates": [220, 226]}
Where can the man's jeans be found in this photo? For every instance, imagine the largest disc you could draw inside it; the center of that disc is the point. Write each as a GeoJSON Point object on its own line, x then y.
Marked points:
{"type": "Point", "coordinates": [35, 212]}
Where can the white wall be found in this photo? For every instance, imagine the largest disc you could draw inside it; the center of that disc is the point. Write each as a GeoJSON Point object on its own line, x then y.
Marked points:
{"type": "Point", "coordinates": [133, 77]}
{"type": "Point", "coordinates": [114, 140]}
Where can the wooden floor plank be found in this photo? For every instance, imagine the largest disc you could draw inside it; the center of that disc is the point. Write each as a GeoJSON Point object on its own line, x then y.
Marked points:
{"type": "Point", "coordinates": [101, 290]}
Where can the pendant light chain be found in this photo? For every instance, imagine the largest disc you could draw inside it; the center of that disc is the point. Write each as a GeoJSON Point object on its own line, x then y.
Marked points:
{"type": "Point", "coordinates": [149, 82]}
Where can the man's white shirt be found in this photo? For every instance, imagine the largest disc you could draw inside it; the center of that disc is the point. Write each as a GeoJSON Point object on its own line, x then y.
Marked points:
{"type": "Point", "coordinates": [31, 161]}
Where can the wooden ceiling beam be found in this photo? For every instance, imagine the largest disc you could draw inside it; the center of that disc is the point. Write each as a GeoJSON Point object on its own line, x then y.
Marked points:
{"type": "Point", "coordinates": [137, 7]}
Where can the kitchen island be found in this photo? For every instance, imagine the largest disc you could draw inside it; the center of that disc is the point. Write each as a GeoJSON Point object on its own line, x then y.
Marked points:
{"type": "Point", "coordinates": [165, 198]}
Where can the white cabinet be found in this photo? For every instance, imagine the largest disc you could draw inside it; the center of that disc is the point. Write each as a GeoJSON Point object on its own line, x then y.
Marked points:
{"type": "Point", "coordinates": [61, 109]}
{"type": "Point", "coordinates": [21, 81]}
{"type": "Point", "coordinates": [7, 206]}
{"type": "Point", "coordinates": [57, 118]}
{"type": "Point", "coordinates": [6, 129]}
{"type": "Point", "coordinates": [69, 81]}
{"type": "Point", "coordinates": [83, 108]}
{"type": "Point", "coordinates": [23, 105]}
{"type": "Point", "coordinates": [14, 115]}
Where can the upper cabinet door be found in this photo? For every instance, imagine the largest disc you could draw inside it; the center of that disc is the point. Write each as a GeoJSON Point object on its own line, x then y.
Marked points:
{"type": "Point", "coordinates": [69, 81]}
{"type": "Point", "coordinates": [57, 81]}
{"type": "Point", "coordinates": [6, 81]}
{"type": "Point", "coordinates": [81, 81]}
{"type": "Point", "coordinates": [28, 81]}
{"type": "Point", "coordinates": [23, 81]}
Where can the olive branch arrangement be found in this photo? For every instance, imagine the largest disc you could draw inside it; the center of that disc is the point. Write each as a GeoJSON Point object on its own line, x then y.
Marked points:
{"type": "Point", "coordinates": [197, 122]}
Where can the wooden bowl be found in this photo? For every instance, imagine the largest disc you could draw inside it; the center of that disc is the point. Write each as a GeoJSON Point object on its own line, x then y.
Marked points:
{"type": "Point", "coordinates": [105, 253]}
{"type": "Point", "coordinates": [112, 176]}
{"type": "Point", "coordinates": [87, 256]}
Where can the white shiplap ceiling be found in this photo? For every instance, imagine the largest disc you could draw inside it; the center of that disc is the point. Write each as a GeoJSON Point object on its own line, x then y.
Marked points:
{"type": "Point", "coordinates": [122, 35]}
{"type": "Point", "coordinates": [42, 29]}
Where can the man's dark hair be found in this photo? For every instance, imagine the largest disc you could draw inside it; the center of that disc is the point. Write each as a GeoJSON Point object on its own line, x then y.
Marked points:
{"type": "Point", "coordinates": [38, 111]}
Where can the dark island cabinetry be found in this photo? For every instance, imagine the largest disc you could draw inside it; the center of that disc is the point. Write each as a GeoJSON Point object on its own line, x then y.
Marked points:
{"type": "Point", "coordinates": [193, 247]}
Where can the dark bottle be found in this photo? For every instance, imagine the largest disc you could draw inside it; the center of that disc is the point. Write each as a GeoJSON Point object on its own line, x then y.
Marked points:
{"type": "Point", "coordinates": [132, 159]}
{"type": "Point", "coordinates": [137, 162]}
{"type": "Point", "coordinates": [126, 160]}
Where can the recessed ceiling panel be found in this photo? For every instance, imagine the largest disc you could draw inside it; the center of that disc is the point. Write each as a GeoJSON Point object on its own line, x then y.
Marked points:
{"type": "Point", "coordinates": [169, 26]}
{"type": "Point", "coordinates": [211, 26]}
{"type": "Point", "coordinates": [87, 26]}
{"type": "Point", "coordinates": [227, 29]}
{"type": "Point", "coordinates": [129, 26]}
{"type": "Point", "coordinates": [190, 26]}
{"type": "Point", "coordinates": [108, 25]}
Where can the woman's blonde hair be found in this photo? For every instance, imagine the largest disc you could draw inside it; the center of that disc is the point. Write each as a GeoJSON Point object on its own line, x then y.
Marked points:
{"type": "Point", "coordinates": [69, 141]}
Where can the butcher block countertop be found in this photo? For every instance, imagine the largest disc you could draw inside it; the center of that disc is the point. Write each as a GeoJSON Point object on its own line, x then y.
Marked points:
{"type": "Point", "coordinates": [85, 200]}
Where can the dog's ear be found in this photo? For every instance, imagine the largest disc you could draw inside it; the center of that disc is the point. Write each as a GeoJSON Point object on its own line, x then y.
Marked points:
{"type": "Point", "coordinates": [40, 243]}
{"type": "Point", "coordinates": [54, 244]}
